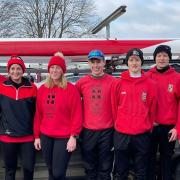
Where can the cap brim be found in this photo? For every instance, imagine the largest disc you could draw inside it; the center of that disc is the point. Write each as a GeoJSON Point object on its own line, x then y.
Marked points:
{"type": "Point", "coordinates": [96, 57]}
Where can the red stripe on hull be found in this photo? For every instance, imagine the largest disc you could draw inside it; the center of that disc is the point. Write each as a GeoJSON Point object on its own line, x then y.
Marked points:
{"type": "Point", "coordinates": [72, 47]}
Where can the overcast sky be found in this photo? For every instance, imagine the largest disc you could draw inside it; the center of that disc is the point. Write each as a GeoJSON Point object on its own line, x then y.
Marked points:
{"type": "Point", "coordinates": [143, 18]}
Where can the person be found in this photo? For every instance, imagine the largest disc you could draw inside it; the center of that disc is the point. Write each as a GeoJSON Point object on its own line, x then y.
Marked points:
{"type": "Point", "coordinates": [164, 132]}
{"type": "Point", "coordinates": [58, 119]}
{"type": "Point", "coordinates": [133, 105]}
{"type": "Point", "coordinates": [17, 109]}
{"type": "Point", "coordinates": [2, 78]}
{"type": "Point", "coordinates": [97, 134]}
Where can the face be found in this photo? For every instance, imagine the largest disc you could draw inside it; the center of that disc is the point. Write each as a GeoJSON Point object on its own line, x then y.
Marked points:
{"type": "Point", "coordinates": [96, 66]}
{"type": "Point", "coordinates": [162, 60]}
{"type": "Point", "coordinates": [16, 73]}
{"type": "Point", "coordinates": [55, 72]}
{"type": "Point", "coordinates": [134, 64]}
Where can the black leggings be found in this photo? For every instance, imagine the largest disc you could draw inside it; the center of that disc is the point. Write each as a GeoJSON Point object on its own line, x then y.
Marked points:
{"type": "Point", "coordinates": [56, 156]}
{"type": "Point", "coordinates": [26, 152]}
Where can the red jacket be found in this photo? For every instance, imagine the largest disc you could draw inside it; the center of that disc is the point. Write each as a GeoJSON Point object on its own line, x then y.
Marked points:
{"type": "Point", "coordinates": [168, 88]}
{"type": "Point", "coordinates": [58, 112]}
{"type": "Point", "coordinates": [2, 78]}
{"type": "Point", "coordinates": [96, 96]}
{"type": "Point", "coordinates": [134, 104]}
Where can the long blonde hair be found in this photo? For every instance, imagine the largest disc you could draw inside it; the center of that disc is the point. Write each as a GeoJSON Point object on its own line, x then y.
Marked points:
{"type": "Point", "coordinates": [62, 82]}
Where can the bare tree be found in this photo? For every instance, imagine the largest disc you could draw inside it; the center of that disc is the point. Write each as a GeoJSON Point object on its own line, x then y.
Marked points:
{"type": "Point", "coordinates": [7, 18]}
{"type": "Point", "coordinates": [56, 18]}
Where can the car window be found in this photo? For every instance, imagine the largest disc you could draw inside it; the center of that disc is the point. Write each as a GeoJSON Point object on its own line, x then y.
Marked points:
{"type": "Point", "coordinates": [74, 78]}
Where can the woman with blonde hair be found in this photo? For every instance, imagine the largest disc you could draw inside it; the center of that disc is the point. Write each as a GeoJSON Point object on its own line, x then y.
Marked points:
{"type": "Point", "coordinates": [58, 119]}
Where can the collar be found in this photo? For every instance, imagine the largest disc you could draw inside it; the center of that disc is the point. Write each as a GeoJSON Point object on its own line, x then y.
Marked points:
{"type": "Point", "coordinates": [25, 82]}
{"type": "Point", "coordinates": [164, 69]}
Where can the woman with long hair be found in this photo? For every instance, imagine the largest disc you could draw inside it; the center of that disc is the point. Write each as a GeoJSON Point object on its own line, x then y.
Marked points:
{"type": "Point", "coordinates": [58, 119]}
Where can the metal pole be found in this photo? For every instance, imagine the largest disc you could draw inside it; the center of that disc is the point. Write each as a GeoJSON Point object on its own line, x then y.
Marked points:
{"type": "Point", "coordinates": [108, 31]}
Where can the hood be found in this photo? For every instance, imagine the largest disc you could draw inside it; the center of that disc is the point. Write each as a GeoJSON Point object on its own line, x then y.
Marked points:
{"type": "Point", "coordinates": [154, 70]}
{"type": "Point", "coordinates": [126, 76]}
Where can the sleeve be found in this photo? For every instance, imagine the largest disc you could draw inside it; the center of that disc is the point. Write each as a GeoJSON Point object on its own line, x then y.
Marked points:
{"type": "Point", "coordinates": [78, 86]}
{"type": "Point", "coordinates": [0, 101]}
{"type": "Point", "coordinates": [153, 103]}
{"type": "Point", "coordinates": [34, 98]}
{"type": "Point", "coordinates": [178, 113]}
{"type": "Point", "coordinates": [38, 114]}
{"type": "Point", "coordinates": [75, 104]}
{"type": "Point", "coordinates": [115, 89]}
{"type": "Point", "coordinates": [177, 88]}
{"type": "Point", "coordinates": [178, 122]}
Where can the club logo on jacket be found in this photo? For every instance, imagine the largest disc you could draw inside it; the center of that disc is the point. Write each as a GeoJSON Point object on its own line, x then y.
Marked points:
{"type": "Point", "coordinates": [51, 99]}
{"type": "Point", "coordinates": [96, 97]}
{"type": "Point", "coordinates": [50, 103]}
{"type": "Point", "coordinates": [170, 88]}
{"type": "Point", "coordinates": [96, 94]}
{"type": "Point", "coordinates": [123, 92]}
{"type": "Point", "coordinates": [144, 96]}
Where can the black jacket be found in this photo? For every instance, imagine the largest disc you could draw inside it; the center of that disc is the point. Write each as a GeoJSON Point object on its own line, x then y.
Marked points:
{"type": "Point", "coordinates": [17, 108]}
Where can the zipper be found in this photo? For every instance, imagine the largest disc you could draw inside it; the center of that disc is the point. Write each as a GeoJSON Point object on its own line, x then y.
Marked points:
{"type": "Point", "coordinates": [17, 90]}
{"type": "Point", "coordinates": [6, 129]}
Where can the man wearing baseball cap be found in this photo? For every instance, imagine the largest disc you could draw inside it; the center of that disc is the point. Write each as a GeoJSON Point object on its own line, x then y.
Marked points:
{"type": "Point", "coordinates": [133, 105]}
{"type": "Point", "coordinates": [165, 127]}
{"type": "Point", "coordinates": [97, 134]}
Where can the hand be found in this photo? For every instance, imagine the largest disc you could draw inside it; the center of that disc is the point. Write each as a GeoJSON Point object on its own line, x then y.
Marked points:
{"type": "Point", "coordinates": [173, 136]}
{"type": "Point", "coordinates": [37, 144]}
{"type": "Point", "coordinates": [155, 124]}
{"type": "Point", "coordinates": [71, 144]}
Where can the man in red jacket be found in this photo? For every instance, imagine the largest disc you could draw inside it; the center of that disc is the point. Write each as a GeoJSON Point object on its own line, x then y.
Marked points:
{"type": "Point", "coordinates": [97, 135]}
{"type": "Point", "coordinates": [165, 131]}
{"type": "Point", "coordinates": [133, 105]}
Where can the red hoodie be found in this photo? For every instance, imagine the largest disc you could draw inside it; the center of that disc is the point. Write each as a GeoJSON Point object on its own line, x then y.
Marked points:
{"type": "Point", "coordinates": [58, 112]}
{"type": "Point", "coordinates": [168, 87]}
{"type": "Point", "coordinates": [96, 95]}
{"type": "Point", "coordinates": [134, 104]}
